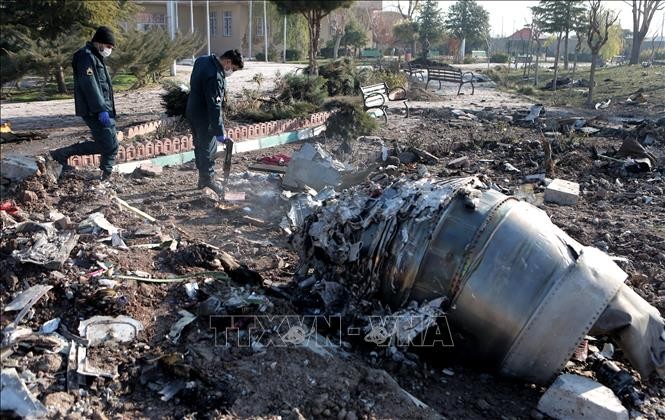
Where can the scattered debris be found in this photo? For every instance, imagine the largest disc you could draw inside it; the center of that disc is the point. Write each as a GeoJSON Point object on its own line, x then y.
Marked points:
{"type": "Point", "coordinates": [314, 167]}
{"type": "Point", "coordinates": [534, 112]}
{"type": "Point", "coordinates": [578, 397]}
{"type": "Point", "coordinates": [15, 396]}
{"type": "Point", "coordinates": [603, 105]}
{"type": "Point", "coordinates": [17, 167]}
{"type": "Point", "coordinates": [148, 169]}
{"type": "Point", "coordinates": [186, 318]}
{"type": "Point", "coordinates": [564, 193]}
{"type": "Point", "coordinates": [100, 329]}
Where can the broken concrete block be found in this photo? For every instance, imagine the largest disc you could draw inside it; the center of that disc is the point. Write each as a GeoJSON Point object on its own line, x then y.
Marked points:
{"type": "Point", "coordinates": [578, 397]}
{"type": "Point", "coordinates": [28, 197]}
{"type": "Point", "coordinates": [562, 192]}
{"type": "Point", "coordinates": [17, 167]}
{"type": "Point", "coordinates": [459, 162]}
{"type": "Point", "coordinates": [149, 169]}
{"type": "Point", "coordinates": [314, 167]}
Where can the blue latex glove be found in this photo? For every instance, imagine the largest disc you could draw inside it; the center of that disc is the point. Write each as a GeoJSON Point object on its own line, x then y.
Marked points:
{"type": "Point", "coordinates": [223, 139]}
{"type": "Point", "coordinates": [104, 119]}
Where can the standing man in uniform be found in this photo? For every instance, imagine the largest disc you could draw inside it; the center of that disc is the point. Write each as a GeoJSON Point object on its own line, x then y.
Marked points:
{"type": "Point", "coordinates": [93, 99]}
{"type": "Point", "coordinates": [204, 111]}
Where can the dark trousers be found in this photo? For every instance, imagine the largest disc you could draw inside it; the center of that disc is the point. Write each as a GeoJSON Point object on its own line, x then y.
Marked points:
{"type": "Point", "coordinates": [104, 142]}
{"type": "Point", "coordinates": [205, 149]}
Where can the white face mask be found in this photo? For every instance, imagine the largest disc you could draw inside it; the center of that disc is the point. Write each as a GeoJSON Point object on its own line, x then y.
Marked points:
{"type": "Point", "coordinates": [227, 73]}
{"type": "Point", "coordinates": [105, 52]}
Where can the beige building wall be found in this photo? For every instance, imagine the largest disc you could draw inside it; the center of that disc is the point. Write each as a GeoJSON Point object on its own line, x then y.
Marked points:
{"type": "Point", "coordinates": [229, 22]}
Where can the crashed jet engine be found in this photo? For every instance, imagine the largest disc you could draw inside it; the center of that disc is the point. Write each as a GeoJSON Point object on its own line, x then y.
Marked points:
{"type": "Point", "coordinates": [520, 289]}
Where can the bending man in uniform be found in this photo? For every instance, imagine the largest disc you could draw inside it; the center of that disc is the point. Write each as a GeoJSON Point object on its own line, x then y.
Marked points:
{"type": "Point", "coordinates": [204, 111]}
{"type": "Point", "coordinates": [93, 99]}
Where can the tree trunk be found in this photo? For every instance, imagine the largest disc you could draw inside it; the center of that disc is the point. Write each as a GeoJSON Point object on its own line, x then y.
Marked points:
{"type": "Point", "coordinates": [315, 44]}
{"type": "Point", "coordinates": [637, 45]}
{"type": "Point", "coordinates": [60, 79]}
{"type": "Point", "coordinates": [565, 52]}
{"type": "Point", "coordinates": [592, 75]}
{"type": "Point", "coordinates": [413, 49]}
{"type": "Point", "coordinates": [556, 62]}
{"type": "Point", "coordinates": [338, 40]}
{"type": "Point", "coordinates": [535, 70]}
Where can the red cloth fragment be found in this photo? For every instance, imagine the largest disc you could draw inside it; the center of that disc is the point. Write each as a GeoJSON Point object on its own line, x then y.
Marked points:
{"type": "Point", "coordinates": [278, 159]}
{"type": "Point", "coordinates": [9, 207]}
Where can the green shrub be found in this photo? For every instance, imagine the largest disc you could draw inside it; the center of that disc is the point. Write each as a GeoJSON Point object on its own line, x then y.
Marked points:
{"type": "Point", "coordinates": [275, 110]}
{"type": "Point", "coordinates": [392, 78]}
{"type": "Point", "coordinates": [349, 120]}
{"type": "Point", "coordinates": [174, 100]}
{"type": "Point", "coordinates": [340, 77]}
{"type": "Point", "coordinates": [148, 55]}
{"type": "Point", "coordinates": [293, 55]}
{"type": "Point", "coordinates": [272, 55]}
{"type": "Point", "coordinates": [469, 60]}
{"type": "Point", "coordinates": [499, 58]}
{"type": "Point", "coordinates": [525, 90]}
{"type": "Point", "coordinates": [645, 55]}
{"type": "Point", "coordinates": [302, 88]}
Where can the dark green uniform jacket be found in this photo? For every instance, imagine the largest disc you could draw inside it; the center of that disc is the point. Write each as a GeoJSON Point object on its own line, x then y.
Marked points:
{"type": "Point", "coordinates": [93, 92]}
{"type": "Point", "coordinates": [204, 105]}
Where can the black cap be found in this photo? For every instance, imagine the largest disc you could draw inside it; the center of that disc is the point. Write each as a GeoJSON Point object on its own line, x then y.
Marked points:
{"type": "Point", "coordinates": [104, 35]}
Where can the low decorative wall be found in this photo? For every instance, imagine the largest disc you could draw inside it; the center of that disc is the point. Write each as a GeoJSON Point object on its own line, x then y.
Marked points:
{"type": "Point", "coordinates": [145, 149]}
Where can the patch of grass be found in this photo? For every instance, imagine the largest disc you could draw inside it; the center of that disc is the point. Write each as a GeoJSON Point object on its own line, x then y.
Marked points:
{"type": "Point", "coordinates": [123, 82]}
{"type": "Point", "coordinates": [617, 83]}
{"type": "Point", "coordinates": [49, 91]}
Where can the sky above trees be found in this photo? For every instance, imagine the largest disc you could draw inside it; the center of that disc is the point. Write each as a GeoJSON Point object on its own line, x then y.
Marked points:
{"type": "Point", "coordinates": [514, 14]}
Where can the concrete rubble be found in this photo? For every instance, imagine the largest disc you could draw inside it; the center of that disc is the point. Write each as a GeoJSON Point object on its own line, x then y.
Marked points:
{"type": "Point", "coordinates": [314, 167]}
{"type": "Point", "coordinates": [562, 192]}
{"type": "Point", "coordinates": [577, 397]}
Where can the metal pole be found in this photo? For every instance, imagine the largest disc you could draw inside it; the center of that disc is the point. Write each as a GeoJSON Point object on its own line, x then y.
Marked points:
{"type": "Point", "coordinates": [284, 38]}
{"type": "Point", "coordinates": [208, 24]}
{"type": "Point", "coordinates": [177, 17]}
{"type": "Point", "coordinates": [265, 30]}
{"type": "Point", "coordinates": [170, 10]}
{"type": "Point", "coordinates": [250, 38]}
{"type": "Point", "coordinates": [191, 21]}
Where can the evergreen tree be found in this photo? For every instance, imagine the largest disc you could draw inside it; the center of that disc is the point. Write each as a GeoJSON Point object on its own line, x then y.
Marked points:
{"type": "Point", "coordinates": [468, 20]}
{"type": "Point", "coordinates": [430, 24]}
{"type": "Point", "coordinates": [314, 11]}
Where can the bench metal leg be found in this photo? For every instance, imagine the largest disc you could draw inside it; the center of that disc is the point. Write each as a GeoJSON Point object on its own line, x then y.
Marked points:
{"type": "Point", "coordinates": [407, 109]}
{"type": "Point", "coordinates": [460, 88]}
{"type": "Point", "coordinates": [427, 84]}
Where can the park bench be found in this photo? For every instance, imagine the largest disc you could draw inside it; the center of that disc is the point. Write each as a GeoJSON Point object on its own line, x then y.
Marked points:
{"type": "Point", "coordinates": [414, 70]}
{"type": "Point", "coordinates": [370, 53]}
{"type": "Point", "coordinates": [479, 55]}
{"type": "Point", "coordinates": [449, 74]}
{"type": "Point", "coordinates": [376, 98]}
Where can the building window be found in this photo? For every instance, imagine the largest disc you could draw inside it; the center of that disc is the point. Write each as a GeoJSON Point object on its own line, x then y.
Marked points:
{"type": "Point", "coordinates": [259, 26]}
{"type": "Point", "coordinates": [213, 24]}
{"type": "Point", "coordinates": [147, 21]}
{"type": "Point", "coordinates": [227, 23]}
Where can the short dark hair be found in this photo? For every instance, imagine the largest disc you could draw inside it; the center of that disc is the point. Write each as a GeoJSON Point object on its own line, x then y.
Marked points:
{"type": "Point", "coordinates": [236, 58]}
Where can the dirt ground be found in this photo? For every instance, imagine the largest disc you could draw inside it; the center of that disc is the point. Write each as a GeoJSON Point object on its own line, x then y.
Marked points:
{"type": "Point", "coordinates": [623, 214]}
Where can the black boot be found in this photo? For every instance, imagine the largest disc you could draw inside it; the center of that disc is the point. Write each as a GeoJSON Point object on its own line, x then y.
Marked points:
{"type": "Point", "coordinates": [61, 156]}
{"type": "Point", "coordinates": [212, 184]}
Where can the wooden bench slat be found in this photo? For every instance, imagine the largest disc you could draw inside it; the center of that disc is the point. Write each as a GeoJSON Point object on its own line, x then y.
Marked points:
{"type": "Point", "coordinates": [376, 97]}
{"type": "Point", "coordinates": [449, 74]}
